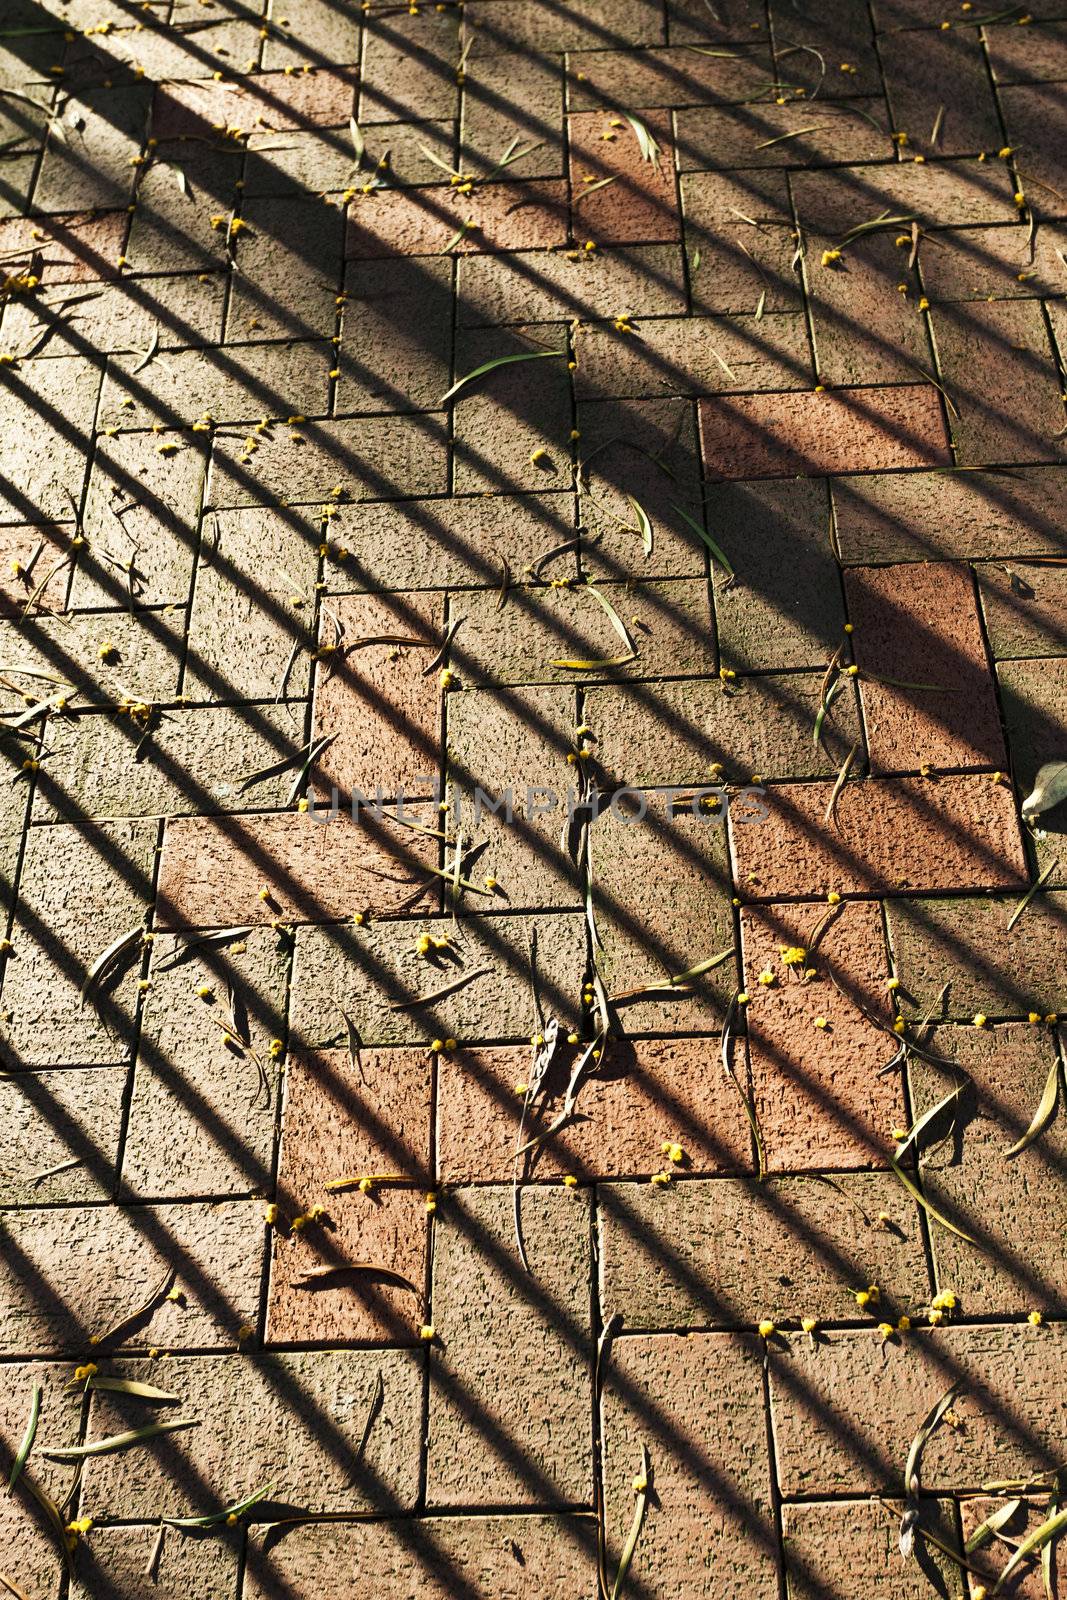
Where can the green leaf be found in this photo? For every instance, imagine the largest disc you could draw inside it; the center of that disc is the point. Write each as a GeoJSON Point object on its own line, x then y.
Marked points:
{"type": "Point", "coordinates": [1033, 1542]}
{"type": "Point", "coordinates": [140, 1391]}
{"type": "Point", "coordinates": [993, 1523]}
{"type": "Point", "coordinates": [27, 1438]}
{"type": "Point", "coordinates": [118, 1441]}
{"type": "Point", "coordinates": [215, 1517]}
{"type": "Point", "coordinates": [650, 150]}
{"type": "Point", "coordinates": [643, 524]}
{"type": "Point", "coordinates": [498, 361]}
{"type": "Point", "coordinates": [708, 540]}
{"type": "Point", "coordinates": [1044, 1114]}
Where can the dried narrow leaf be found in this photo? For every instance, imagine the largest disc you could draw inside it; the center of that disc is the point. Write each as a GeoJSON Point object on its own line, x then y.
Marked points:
{"type": "Point", "coordinates": [830, 816]}
{"type": "Point", "coordinates": [944, 1112]}
{"type": "Point", "coordinates": [460, 233]}
{"type": "Point", "coordinates": [928, 1205]}
{"type": "Point", "coordinates": [192, 942]}
{"type": "Point", "coordinates": [1044, 1114]}
{"type": "Point", "coordinates": [29, 1435]}
{"type": "Point", "coordinates": [149, 353]}
{"type": "Point", "coordinates": [108, 960]}
{"type": "Point", "coordinates": [52, 1172]}
{"type": "Point", "coordinates": [797, 133]}
{"type": "Point", "coordinates": [181, 180]}
{"type": "Point", "coordinates": [441, 994]}
{"type": "Point", "coordinates": [163, 1287]}
{"type": "Point", "coordinates": [702, 533]}
{"type": "Point", "coordinates": [1038, 883]}
{"type": "Point", "coordinates": [131, 1386]}
{"type": "Point", "coordinates": [326, 1276]}
{"type": "Point", "coordinates": [1042, 1536]}
{"type": "Point", "coordinates": [620, 628]}
{"type": "Point", "coordinates": [119, 1441]}
{"type": "Point", "coordinates": [677, 980]}
{"type": "Point", "coordinates": [338, 1185]}
{"type": "Point", "coordinates": [53, 1517]}
{"type": "Point", "coordinates": [992, 1525]}
{"type": "Point", "coordinates": [1050, 787]}
{"type": "Point", "coordinates": [640, 1507]}
{"type": "Point", "coordinates": [643, 524]}
{"type": "Point", "coordinates": [359, 144]}
{"type": "Point", "coordinates": [648, 147]}
{"type": "Point", "coordinates": [591, 188]}
{"type": "Point", "coordinates": [913, 1464]}
{"type": "Point", "coordinates": [12, 1587]}
{"type": "Point", "coordinates": [748, 1105]}
{"type": "Point", "coordinates": [215, 1517]}
{"type": "Point", "coordinates": [498, 361]}
{"type": "Point", "coordinates": [450, 633]}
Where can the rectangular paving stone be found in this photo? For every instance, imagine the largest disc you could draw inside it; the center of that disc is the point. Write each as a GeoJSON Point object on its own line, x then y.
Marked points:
{"type": "Point", "coordinates": [512, 95]}
{"type": "Point", "coordinates": [239, 384]}
{"type": "Point", "coordinates": [212, 870]}
{"type": "Point", "coordinates": [396, 336]}
{"type": "Point", "coordinates": [709, 1529]}
{"type": "Point", "coordinates": [252, 614]}
{"type": "Point", "coordinates": [662, 475]}
{"type": "Point", "coordinates": [500, 745]}
{"type": "Point", "coordinates": [140, 517]}
{"type": "Point", "coordinates": [964, 943]}
{"type": "Point", "coordinates": [436, 1558]}
{"type": "Point", "coordinates": [46, 410]}
{"type": "Point", "coordinates": [866, 324]}
{"type": "Point", "coordinates": [542, 286]}
{"type": "Point", "coordinates": [739, 240]}
{"type": "Point", "coordinates": [837, 1431]}
{"type": "Point", "coordinates": [1005, 263]}
{"type": "Point", "coordinates": [114, 1562]}
{"type": "Point", "coordinates": [525, 25]}
{"type": "Point", "coordinates": [365, 971]}
{"type": "Point", "coordinates": [81, 248]}
{"type": "Point", "coordinates": [676, 76]}
{"type": "Point", "coordinates": [496, 216]}
{"type": "Point", "coordinates": [842, 34]}
{"type": "Point", "coordinates": [175, 310]}
{"type": "Point", "coordinates": [288, 238]}
{"type": "Point", "coordinates": [891, 836]}
{"type": "Point", "coordinates": [18, 544]}
{"type": "Point", "coordinates": [99, 655]}
{"type": "Point", "coordinates": [74, 1272]}
{"type": "Point", "coordinates": [202, 1110]}
{"type": "Point", "coordinates": [752, 136]}
{"type": "Point", "coordinates": [374, 699]}
{"type": "Point", "coordinates": [942, 194]}
{"type": "Point", "coordinates": [275, 100]}
{"type": "Point", "coordinates": [661, 900]}
{"type": "Point", "coordinates": [509, 1346]}
{"type": "Point", "coordinates": [29, 1545]}
{"type": "Point", "coordinates": [390, 1231]}
{"type": "Point", "coordinates": [647, 1091]}
{"type": "Point", "coordinates": [820, 1097]}
{"type": "Point", "coordinates": [639, 205]}
{"type": "Point", "coordinates": [921, 626]}
{"type": "Point", "coordinates": [454, 543]}
{"type": "Point", "coordinates": [345, 1117]}
{"type": "Point", "coordinates": [945, 83]}
{"type": "Point", "coordinates": [1026, 55]}
{"type": "Point", "coordinates": [693, 356]}
{"type": "Point", "coordinates": [319, 31]}
{"type": "Point", "coordinates": [1014, 1208]}
{"type": "Point", "coordinates": [190, 760]}
{"type": "Point", "coordinates": [292, 1420]}
{"type": "Point", "coordinates": [512, 430]}
{"type": "Point", "coordinates": [409, 67]}
{"type": "Point", "coordinates": [316, 159]}
{"type": "Point", "coordinates": [674, 732]}
{"type": "Point", "coordinates": [824, 1542]}
{"type": "Point", "coordinates": [171, 229]}
{"type": "Point", "coordinates": [783, 608]}
{"type": "Point", "coordinates": [669, 622]}
{"type": "Point", "coordinates": [372, 458]}
{"type": "Point", "coordinates": [730, 1253]}
{"type": "Point", "coordinates": [921, 516]}
{"type": "Point", "coordinates": [778, 436]}
{"type": "Point", "coordinates": [1033, 119]}
{"type": "Point", "coordinates": [80, 889]}
{"type": "Point", "coordinates": [51, 1119]}
{"type": "Point", "coordinates": [90, 168]}
{"type": "Point", "coordinates": [1009, 410]}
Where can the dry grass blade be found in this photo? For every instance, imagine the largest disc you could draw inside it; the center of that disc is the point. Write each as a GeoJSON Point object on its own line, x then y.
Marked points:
{"type": "Point", "coordinates": [119, 1441]}
{"type": "Point", "coordinates": [928, 1205]}
{"type": "Point", "coordinates": [876, 225]}
{"type": "Point", "coordinates": [108, 960]}
{"type": "Point", "coordinates": [797, 133]}
{"type": "Point", "coordinates": [491, 366]}
{"type": "Point", "coordinates": [1038, 883]}
{"type": "Point", "coordinates": [28, 1437]}
{"type": "Point", "coordinates": [131, 1386]}
{"type": "Point", "coordinates": [620, 628]}
{"type": "Point", "coordinates": [992, 1525]}
{"type": "Point", "coordinates": [703, 534]}
{"type": "Point", "coordinates": [591, 188]}
{"type": "Point", "coordinates": [52, 1515]}
{"type": "Point", "coordinates": [939, 122]}
{"type": "Point", "coordinates": [946, 1110]}
{"type": "Point", "coordinates": [677, 980]}
{"type": "Point", "coordinates": [1032, 1544]}
{"type": "Point", "coordinates": [442, 993]}
{"type": "Point", "coordinates": [164, 1286]}
{"type": "Point", "coordinates": [1044, 1114]}
{"type": "Point", "coordinates": [213, 1518]}
{"type": "Point", "coordinates": [830, 815]}
{"type": "Point", "coordinates": [53, 1172]}
{"type": "Point", "coordinates": [12, 1587]}
{"type": "Point", "coordinates": [192, 942]}
{"type": "Point", "coordinates": [725, 1053]}
{"type": "Point", "coordinates": [641, 1506]}
{"type": "Point", "coordinates": [450, 633]}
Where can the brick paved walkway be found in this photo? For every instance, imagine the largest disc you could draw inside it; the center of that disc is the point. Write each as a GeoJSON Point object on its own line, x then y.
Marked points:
{"type": "Point", "coordinates": [778, 507]}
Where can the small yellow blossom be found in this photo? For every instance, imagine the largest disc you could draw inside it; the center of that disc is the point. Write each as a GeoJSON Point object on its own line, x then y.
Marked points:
{"type": "Point", "coordinates": [767, 1328]}
{"type": "Point", "coordinates": [426, 1331]}
{"type": "Point", "coordinates": [1035, 1319]}
{"type": "Point", "coordinates": [980, 1019]}
{"type": "Point", "coordinates": [809, 1324]}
